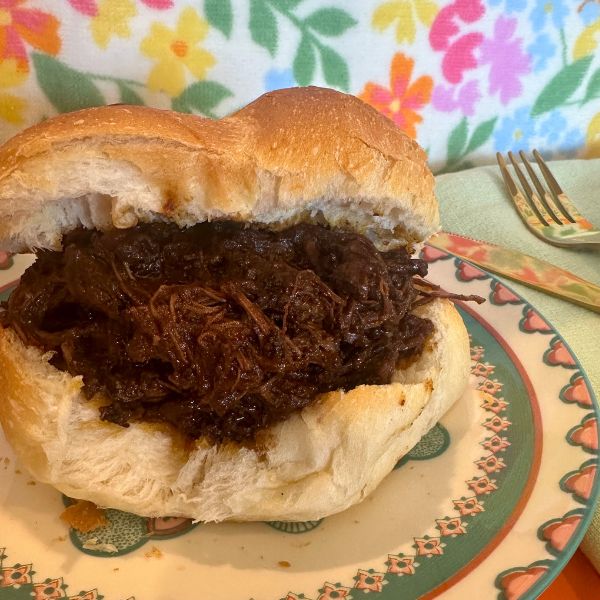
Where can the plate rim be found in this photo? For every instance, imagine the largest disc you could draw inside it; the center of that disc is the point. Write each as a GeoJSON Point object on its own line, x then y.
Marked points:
{"type": "Point", "coordinates": [557, 563]}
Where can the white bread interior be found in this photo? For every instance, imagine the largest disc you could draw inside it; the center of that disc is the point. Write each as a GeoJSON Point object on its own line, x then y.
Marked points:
{"type": "Point", "coordinates": [318, 462]}
{"type": "Point", "coordinates": [299, 154]}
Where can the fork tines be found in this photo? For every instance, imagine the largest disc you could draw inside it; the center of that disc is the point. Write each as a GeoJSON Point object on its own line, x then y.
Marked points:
{"type": "Point", "coordinates": [547, 212]}
{"type": "Point", "coordinates": [546, 204]}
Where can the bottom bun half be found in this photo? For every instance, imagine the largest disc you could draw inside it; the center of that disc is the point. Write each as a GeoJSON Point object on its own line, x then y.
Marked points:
{"type": "Point", "coordinates": [319, 461]}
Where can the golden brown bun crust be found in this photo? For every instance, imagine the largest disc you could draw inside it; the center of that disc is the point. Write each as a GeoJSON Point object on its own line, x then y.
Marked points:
{"type": "Point", "coordinates": [300, 154]}
{"type": "Point", "coordinates": [318, 462]}
{"type": "Point", "coordinates": [295, 154]}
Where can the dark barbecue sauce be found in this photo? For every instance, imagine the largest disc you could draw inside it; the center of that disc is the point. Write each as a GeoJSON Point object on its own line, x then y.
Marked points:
{"type": "Point", "coordinates": [220, 329]}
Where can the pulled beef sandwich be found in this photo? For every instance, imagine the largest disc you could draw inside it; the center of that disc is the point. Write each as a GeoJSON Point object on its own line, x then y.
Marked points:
{"type": "Point", "coordinates": [224, 320]}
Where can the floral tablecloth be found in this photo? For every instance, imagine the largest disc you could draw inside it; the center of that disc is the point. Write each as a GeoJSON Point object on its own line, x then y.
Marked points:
{"type": "Point", "coordinates": [467, 78]}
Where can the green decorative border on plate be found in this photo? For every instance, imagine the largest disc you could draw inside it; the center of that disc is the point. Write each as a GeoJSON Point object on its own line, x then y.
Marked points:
{"type": "Point", "coordinates": [542, 573]}
{"type": "Point", "coordinates": [534, 578]}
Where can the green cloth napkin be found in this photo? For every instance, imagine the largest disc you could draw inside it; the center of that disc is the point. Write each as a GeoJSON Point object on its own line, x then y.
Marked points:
{"type": "Point", "coordinates": [475, 203]}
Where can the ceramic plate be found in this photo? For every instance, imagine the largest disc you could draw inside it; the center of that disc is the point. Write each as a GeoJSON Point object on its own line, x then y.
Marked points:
{"type": "Point", "coordinates": [490, 504]}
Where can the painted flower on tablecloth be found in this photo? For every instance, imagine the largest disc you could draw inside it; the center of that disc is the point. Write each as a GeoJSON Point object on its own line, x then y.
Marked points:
{"type": "Point", "coordinates": [447, 24]}
{"type": "Point", "coordinates": [461, 57]}
{"type": "Point", "coordinates": [509, 6]}
{"type": "Point", "coordinates": [90, 7]}
{"type": "Point", "coordinates": [541, 50]}
{"type": "Point", "coordinates": [20, 25]}
{"type": "Point", "coordinates": [587, 41]}
{"type": "Point", "coordinates": [159, 4]}
{"type": "Point", "coordinates": [176, 50]}
{"type": "Point", "coordinates": [403, 99]}
{"type": "Point", "coordinates": [589, 11]}
{"type": "Point", "coordinates": [112, 19]}
{"type": "Point", "coordinates": [515, 131]}
{"type": "Point", "coordinates": [459, 50]}
{"type": "Point", "coordinates": [520, 132]}
{"type": "Point", "coordinates": [277, 79]}
{"type": "Point", "coordinates": [563, 140]}
{"type": "Point", "coordinates": [506, 58]}
{"type": "Point", "coordinates": [592, 145]}
{"type": "Point", "coordinates": [12, 73]}
{"type": "Point", "coordinates": [404, 13]}
{"type": "Point", "coordinates": [554, 10]}
{"type": "Point", "coordinates": [85, 7]}
{"type": "Point", "coordinates": [462, 98]}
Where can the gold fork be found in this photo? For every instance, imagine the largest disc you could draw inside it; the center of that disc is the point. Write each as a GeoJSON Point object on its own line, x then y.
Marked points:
{"type": "Point", "coordinates": [549, 214]}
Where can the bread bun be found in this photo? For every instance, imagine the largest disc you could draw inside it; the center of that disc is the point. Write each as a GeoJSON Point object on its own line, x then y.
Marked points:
{"type": "Point", "coordinates": [297, 154]}
{"type": "Point", "coordinates": [294, 155]}
{"type": "Point", "coordinates": [318, 462]}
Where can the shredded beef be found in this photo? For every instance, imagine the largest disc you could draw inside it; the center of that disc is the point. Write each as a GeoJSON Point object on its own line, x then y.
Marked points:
{"type": "Point", "coordinates": [220, 329]}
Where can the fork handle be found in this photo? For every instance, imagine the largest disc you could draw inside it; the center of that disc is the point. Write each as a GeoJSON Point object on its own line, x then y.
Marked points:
{"type": "Point", "coordinates": [590, 239]}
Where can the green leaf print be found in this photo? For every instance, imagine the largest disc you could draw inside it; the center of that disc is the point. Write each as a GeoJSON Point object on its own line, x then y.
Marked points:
{"type": "Point", "coordinates": [304, 62]}
{"type": "Point", "coordinates": [322, 22]}
{"type": "Point", "coordinates": [330, 21]}
{"type": "Point", "coordinates": [593, 87]}
{"type": "Point", "coordinates": [457, 141]}
{"type": "Point", "coordinates": [454, 167]}
{"type": "Point", "coordinates": [287, 4]}
{"type": "Point", "coordinates": [203, 96]}
{"type": "Point", "coordinates": [66, 88]}
{"type": "Point", "coordinates": [335, 69]}
{"type": "Point", "coordinates": [459, 147]}
{"type": "Point", "coordinates": [263, 25]}
{"type": "Point", "coordinates": [178, 104]}
{"type": "Point", "coordinates": [481, 135]}
{"type": "Point", "coordinates": [560, 88]}
{"type": "Point", "coordinates": [128, 96]}
{"type": "Point", "coordinates": [220, 15]}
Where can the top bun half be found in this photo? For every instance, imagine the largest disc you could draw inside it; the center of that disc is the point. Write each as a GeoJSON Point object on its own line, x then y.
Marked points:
{"type": "Point", "coordinates": [301, 154]}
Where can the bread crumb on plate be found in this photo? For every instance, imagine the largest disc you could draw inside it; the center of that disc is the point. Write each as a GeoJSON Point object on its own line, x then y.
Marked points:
{"type": "Point", "coordinates": [154, 552]}
{"type": "Point", "coordinates": [84, 516]}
